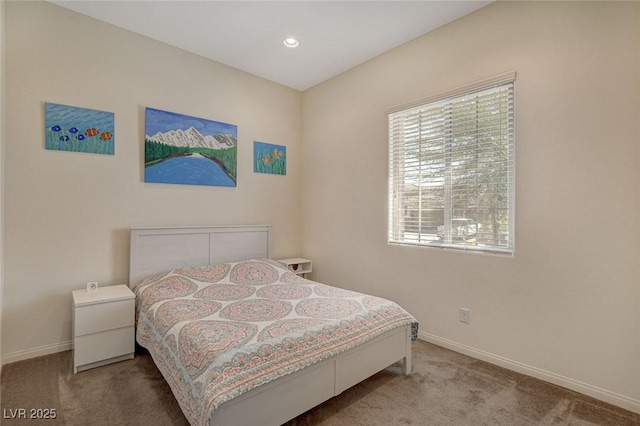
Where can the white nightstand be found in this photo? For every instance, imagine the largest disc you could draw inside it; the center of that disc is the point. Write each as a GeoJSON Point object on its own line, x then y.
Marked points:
{"type": "Point", "coordinates": [103, 330]}
{"type": "Point", "coordinates": [297, 265]}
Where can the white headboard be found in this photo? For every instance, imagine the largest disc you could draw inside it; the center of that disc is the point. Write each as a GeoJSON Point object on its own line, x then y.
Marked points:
{"type": "Point", "coordinates": [155, 250]}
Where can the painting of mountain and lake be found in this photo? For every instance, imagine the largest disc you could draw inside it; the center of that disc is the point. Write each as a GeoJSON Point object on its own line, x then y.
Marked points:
{"type": "Point", "coordinates": [187, 150]}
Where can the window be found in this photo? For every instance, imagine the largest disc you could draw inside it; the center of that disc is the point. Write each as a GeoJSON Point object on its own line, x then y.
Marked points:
{"type": "Point", "coordinates": [451, 169]}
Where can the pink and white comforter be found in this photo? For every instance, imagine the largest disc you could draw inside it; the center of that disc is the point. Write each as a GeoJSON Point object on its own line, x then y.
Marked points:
{"type": "Point", "coordinates": [218, 331]}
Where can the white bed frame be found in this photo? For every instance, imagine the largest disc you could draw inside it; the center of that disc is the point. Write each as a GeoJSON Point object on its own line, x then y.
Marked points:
{"type": "Point", "coordinates": [155, 250]}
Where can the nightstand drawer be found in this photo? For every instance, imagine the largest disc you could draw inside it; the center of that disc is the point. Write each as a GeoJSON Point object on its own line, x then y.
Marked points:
{"type": "Point", "coordinates": [105, 345]}
{"type": "Point", "coordinates": [103, 316]}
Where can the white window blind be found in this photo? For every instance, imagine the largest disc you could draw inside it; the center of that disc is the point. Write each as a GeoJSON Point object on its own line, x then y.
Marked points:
{"type": "Point", "coordinates": [451, 169]}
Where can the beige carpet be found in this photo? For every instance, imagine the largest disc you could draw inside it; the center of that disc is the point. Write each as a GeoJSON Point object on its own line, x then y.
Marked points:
{"type": "Point", "coordinates": [445, 388]}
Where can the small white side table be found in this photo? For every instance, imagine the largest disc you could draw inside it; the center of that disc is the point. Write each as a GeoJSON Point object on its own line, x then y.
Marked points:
{"type": "Point", "coordinates": [297, 265]}
{"type": "Point", "coordinates": [103, 326]}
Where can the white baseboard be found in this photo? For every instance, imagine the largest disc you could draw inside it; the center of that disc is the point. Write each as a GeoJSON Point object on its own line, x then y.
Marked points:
{"type": "Point", "coordinates": [614, 398]}
{"type": "Point", "coordinates": [36, 352]}
{"type": "Point", "coordinates": [617, 399]}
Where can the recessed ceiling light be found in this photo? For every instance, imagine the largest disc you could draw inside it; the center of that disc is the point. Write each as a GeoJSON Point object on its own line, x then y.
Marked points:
{"type": "Point", "coordinates": [291, 42]}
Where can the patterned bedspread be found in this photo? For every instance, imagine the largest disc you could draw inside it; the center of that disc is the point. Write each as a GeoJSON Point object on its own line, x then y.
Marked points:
{"type": "Point", "coordinates": [218, 331]}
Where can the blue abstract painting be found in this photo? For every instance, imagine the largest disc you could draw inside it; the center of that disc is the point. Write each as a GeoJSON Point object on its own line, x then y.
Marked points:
{"type": "Point", "coordinates": [69, 128]}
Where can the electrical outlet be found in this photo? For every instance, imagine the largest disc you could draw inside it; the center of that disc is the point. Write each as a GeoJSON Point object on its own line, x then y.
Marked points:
{"type": "Point", "coordinates": [465, 315]}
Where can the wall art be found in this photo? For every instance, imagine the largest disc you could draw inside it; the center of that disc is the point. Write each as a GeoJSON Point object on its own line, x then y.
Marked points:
{"type": "Point", "coordinates": [187, 150]}
{"type": "Point", "coordinates": [269, 158]}
{"type": "Point", "coordinates": [69, 128]}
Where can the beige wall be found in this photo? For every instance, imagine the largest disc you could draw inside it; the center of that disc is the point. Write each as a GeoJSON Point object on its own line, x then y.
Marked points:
{"type": "Point", "coordinates": [566, 307]}
{"type": "Point", "coordinates": [2, 54]}
{"type": "Point", "coordinates": [67, 215]}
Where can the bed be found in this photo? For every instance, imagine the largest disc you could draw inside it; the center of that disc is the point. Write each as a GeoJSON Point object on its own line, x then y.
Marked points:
{"type": "Point", "coordinates": [242, 340]}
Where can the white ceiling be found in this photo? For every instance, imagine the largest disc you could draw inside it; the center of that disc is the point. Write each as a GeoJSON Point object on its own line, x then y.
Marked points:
{"type": "Point", "coordinates": [334, 35]}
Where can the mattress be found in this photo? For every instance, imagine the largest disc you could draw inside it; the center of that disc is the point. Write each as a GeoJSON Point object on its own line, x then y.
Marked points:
{"type": "Point", "coordinates": [218, 331]}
